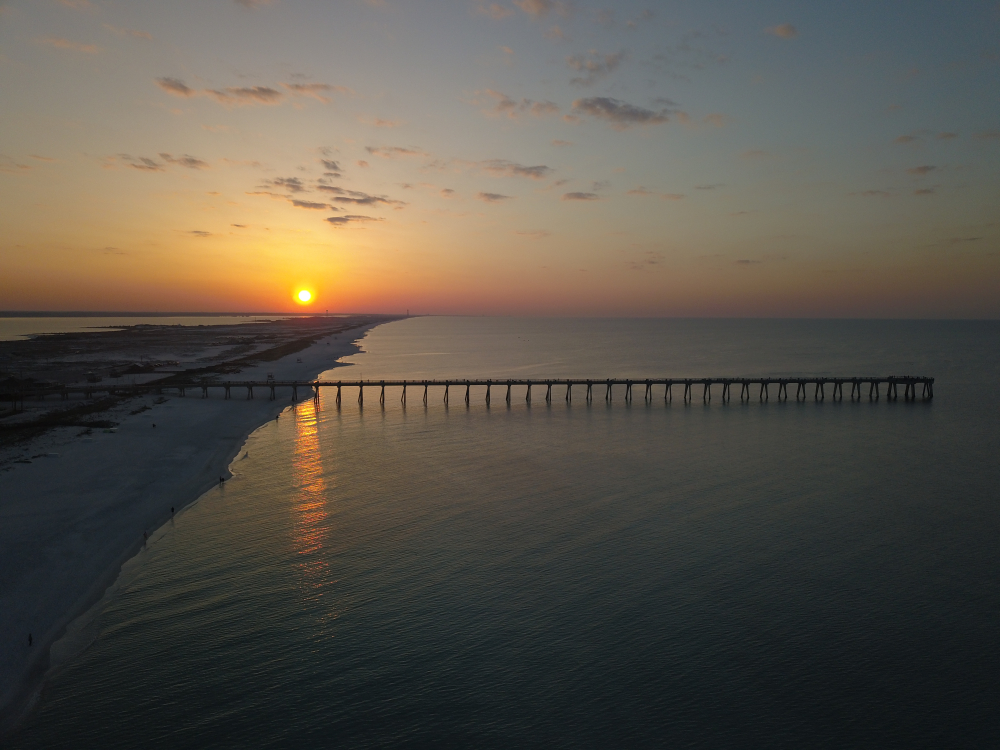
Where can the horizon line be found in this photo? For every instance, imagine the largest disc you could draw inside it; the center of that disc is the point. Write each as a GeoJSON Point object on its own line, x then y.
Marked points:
{"type": "Point", "coordinates": [13, 314]}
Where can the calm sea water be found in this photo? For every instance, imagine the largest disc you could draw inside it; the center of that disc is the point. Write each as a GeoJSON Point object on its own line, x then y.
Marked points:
{"type": "Point", "coordinates": [570, 575]}
{"type": "Point", "coordinates": [19, 327]}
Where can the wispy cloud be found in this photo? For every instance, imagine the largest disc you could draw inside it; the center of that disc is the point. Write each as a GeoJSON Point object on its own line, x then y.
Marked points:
{"type": "Point", "coordinates": [332, 167]}
{"type": "Point", "coordinates": [714, 186]}
{"type": "Point", "coordinates": [311, 205]}
{"type": "Point", "coordinates": [176, 87]}
{"type": "Point", "coordinates": [229, 96]}
{"type": "Point", "coordinates": [921, 171]}
{"type": "Point", "coordinates": [496, 103]}
{"type": "Point", "coordinates": [581, 197]}
{"type": "Point", "coordinates": [621, 114]}
{"type": "Point", "coordinates": [641, 191]}
{"type": "Point", "coordinates": [290, 184]}
{"type": "Point", "coordinates": [317, 91]}
{"type": "Point", "coordinates": [185, 160]}
{"type": "Point", "coordinates": [493, 197]}
{"type": "Point", "coordinates": [592, 67]}
{"type": "Point", "coordinates": [90, 49]}
{"type": "Point", "coordinates": [873, 193]}
{"type": "Point", "coordinates": [783, 30]}
{"type": "Point", "coordinates": [536, 234]}
{"type": "Point", "coordinates": [142, 163]}
{"type": "Point", "coordinates": [340, 221]}
{"type": "Point", "coordinates": [357, 198]}
{"type": "Point", "coordinates": [239, 96]}
{"type": "Point", "coordinates": [10, 166]}
{"type": "Point", "coordinates": [925, 191]}
{"type": "Point", "coordinates": [504, 168]}
{"type": "Point", "coordinates": [561, 143]}
{"type": "Point", "coordinates": [946, 136]}
{"type": "Point", "coordinates": [989, 135]}
{"type": "Point", "coordinates": [395, 152]}
{"type": "Point", "coordinates": [199, 233]}
{"type": "Point", "coordinates": [241, 163]}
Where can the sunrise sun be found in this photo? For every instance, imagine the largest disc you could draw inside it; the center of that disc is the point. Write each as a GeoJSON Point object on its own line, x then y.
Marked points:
{"type": "Point", "coordinates": [304, 296]}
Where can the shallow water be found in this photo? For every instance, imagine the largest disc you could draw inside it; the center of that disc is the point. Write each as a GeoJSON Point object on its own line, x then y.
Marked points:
{"type": "Point", "coordinates": [779, 574]}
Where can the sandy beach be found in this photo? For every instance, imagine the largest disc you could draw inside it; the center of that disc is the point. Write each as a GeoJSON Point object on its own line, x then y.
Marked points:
{"type": "Point", "coordinates": [74, 512]}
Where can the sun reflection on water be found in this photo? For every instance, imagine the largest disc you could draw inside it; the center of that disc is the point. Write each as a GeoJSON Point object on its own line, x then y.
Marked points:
{"type": "Point", "coordinates": [311, 527]}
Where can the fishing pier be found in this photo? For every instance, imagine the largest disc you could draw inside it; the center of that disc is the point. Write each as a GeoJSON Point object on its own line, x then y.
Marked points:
{"type": "Point", "coordinates": [688, 389]}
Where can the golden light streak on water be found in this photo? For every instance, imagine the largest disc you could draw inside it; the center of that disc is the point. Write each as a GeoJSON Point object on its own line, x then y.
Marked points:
{"type": "Point", "coordinates": [311, 527]}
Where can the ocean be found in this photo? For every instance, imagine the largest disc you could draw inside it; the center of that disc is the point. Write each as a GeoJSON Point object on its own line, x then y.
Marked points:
{"type": "Point", "coordinates": [777, 574]}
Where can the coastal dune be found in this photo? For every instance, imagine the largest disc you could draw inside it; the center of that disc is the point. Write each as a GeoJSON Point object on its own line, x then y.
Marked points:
{"type": "Point", "coordinates": [72, 516]}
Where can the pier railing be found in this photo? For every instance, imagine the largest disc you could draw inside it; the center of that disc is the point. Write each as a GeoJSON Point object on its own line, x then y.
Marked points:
{"type": "Point", "coordinates": [688, 388]}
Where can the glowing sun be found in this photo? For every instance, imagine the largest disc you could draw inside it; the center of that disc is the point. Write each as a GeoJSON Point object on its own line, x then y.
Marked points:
{"type": "Point", "coordinates": [304, 296]}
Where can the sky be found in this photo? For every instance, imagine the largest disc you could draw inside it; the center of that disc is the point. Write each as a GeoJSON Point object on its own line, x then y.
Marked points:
{"type": "Point", "coordinates": [519, 157]}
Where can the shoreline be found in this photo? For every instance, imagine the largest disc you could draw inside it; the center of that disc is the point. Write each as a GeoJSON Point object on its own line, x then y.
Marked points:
{"type": "Point", "coordinates": [74, 518]}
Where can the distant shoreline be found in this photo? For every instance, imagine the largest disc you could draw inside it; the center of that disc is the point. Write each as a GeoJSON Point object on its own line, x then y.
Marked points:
{"type": "Point", "coordinates": [130, 314]}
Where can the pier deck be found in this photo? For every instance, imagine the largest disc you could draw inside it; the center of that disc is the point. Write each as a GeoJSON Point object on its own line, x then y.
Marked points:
{"type": "Point", "coordinates": [688, 388]}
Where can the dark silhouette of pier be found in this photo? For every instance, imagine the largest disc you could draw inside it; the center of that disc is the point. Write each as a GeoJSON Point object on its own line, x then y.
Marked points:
{"type": "Point", "coordinates": [687, 388]}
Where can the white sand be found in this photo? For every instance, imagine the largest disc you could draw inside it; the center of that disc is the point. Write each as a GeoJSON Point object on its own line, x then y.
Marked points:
{"type": "Point", "coordinates": [69, 522]}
